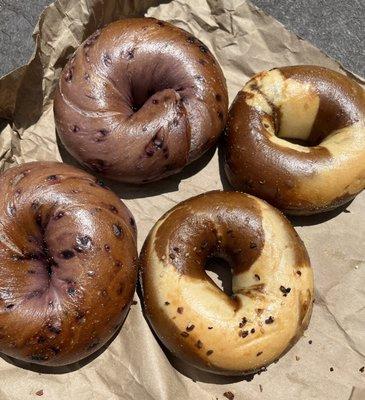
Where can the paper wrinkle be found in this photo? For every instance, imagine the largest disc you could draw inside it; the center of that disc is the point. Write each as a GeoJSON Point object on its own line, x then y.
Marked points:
{"type": "Point", "coordinates": [245, 41]}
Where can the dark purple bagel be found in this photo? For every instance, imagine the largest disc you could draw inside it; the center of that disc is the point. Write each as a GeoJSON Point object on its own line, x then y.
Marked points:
{"type": "Point", "coordinates": [67, 263]}
{"type": "Point", "coordinates": [139, 100]}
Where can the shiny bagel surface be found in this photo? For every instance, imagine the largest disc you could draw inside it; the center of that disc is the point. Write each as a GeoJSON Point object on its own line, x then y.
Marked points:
{"type": "Point", "coordinates": [139, 100]}
{"type": "Point", "coordinates": [272, 283]}
{"type": "Point", "coordinates": [67, 263]}
{"type": "Point", "coordinates": [295, 137]}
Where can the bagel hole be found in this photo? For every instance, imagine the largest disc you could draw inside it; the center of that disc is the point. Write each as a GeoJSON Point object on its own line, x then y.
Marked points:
{"type": "Point", "coordinates": [219, 270]}
{"type": "Point", "coordinates": [302, 142]}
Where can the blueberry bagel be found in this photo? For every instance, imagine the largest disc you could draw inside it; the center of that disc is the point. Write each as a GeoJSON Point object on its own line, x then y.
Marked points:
{"type": "Point", "coordinates": [272, 283]}
{"type": "Point", "coordinates": [296, 138]}
{"type": "Point", "coordinates": [67, 263]}
{"type": "Point", "coordinates": [139, 100]}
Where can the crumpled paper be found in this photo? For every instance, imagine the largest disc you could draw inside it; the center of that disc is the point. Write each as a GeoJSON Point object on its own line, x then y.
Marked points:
{"type": "Point", "coordinates": [135, 366]}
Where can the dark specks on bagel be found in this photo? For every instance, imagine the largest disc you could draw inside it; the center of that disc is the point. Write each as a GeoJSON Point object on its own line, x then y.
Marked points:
{"type": "Point", "coordinates": [69, 75]}
{"type": "Point", "coordinates": [107, 60]}
{"type": "Point", "coordinates": [117, 230]}
{"type": "Point", "coordinates": [59, 215]}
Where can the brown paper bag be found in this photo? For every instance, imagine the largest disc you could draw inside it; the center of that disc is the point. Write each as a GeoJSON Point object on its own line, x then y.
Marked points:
{"type": "Point", "coordinates": [134, 366]}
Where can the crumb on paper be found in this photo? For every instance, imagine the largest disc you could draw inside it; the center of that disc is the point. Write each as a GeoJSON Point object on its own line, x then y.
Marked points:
{"type": "Point", "coordinates": [261, 389]}
{"type": "Point", "coordinates": [297, 358]}
{"type": "Point", "coordinates": [39, 393]}
{"type": "Point", "coordinates": [228, 395]}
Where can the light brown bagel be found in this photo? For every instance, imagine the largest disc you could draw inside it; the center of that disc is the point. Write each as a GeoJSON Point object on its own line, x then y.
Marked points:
{"type": "Point", "coordinates": [272, 283]}
{"type": "Point", "coordinates": [296, 138]}
{"type": "Point", "coordinates": [67, 263]}
{"type": "Point", "coordinates": [139, 100]}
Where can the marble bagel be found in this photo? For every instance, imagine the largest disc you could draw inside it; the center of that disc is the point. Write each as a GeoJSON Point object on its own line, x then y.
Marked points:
{"type": "Point", "coordinates": [272, 283]}
{"type": "Point", "coordinates": [296, 137]}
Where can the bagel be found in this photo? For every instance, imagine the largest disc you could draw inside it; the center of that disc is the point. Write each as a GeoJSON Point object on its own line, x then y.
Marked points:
{"type": "Point", "coordinates": [295, 137]}
{"type": "Point", "coordinates": [139, 100]}
{"type": "Point", "coordinates": [272, 283]}
{"type": "Point", "coordinates": [67, 263]}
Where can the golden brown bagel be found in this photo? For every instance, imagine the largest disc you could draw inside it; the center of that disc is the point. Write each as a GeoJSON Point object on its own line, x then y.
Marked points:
{"type": "Point", "coordinates": [296, 138]}
{"type": "Point", "coordinates": [67, 263]}
{"type": "Point", "coordinates": [139, 100]}
{"type": "Point", "coordinates": [272, 283]}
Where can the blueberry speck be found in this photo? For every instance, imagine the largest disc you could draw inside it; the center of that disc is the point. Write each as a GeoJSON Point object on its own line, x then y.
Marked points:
{"type": "Point", "coordinates": [117, 230]}
{"type": "Point", "coordinates": [59, 215]}
{"type": "Point", "coordinates": [67, 254]}
{"type": "Point", "coordinates": [54, 329]}
{"type": "Point", "coordinates": [228, 395]}
{"type": "Point", "coordinates": [83, 243]}
{"type": "Point", "coordinates": [269, 320]}
{"type": "Point", "coordinates": [113, 209]}
{"type": "Point", "coordinates": [243, 334]}
{"type": "Point", "coordinates": [284, 290]}
{"type": "Point", "coordinates": [107, 60]}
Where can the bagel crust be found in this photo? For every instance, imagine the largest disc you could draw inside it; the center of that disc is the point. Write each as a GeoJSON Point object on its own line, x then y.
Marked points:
{"type": "Point", "coordinates": [272, 283]}
{"type": "Point", "coordinates": [139, 100]}
{"type": "Point", "coordinates": [67, 263]}
{"type": "Point", "coordinates": [296, 137]}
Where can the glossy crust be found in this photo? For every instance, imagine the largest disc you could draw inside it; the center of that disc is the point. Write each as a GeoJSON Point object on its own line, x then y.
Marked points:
{"type": "Point", "coordinates": [67, 263]}
{"type": "Point", "coordinates": [139, 100]}
{"type": "Point", "coordinates": [322, 113]}
{"type": "Point", "coordinates": [272, 283]}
